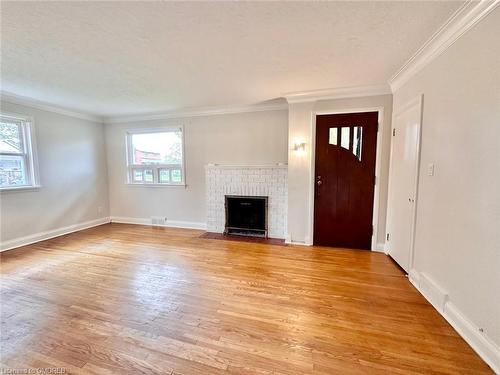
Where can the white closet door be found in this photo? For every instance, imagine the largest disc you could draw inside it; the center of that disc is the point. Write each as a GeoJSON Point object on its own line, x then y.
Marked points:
{"type": "Point", "coordinates": [405, 155]}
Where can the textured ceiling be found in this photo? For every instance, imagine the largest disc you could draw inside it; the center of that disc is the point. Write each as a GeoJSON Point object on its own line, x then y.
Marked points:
{"type": "Point", "coordinates": [116, 58]}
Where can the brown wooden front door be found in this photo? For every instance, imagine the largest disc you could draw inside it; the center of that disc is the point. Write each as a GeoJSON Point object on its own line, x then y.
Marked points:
{"type": "Point", "coordinates": [345, 179]}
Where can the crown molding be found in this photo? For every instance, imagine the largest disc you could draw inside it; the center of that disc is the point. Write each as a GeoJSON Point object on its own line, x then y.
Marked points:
{"type": "Point", "coordinates": [464, 18]}
{"type": "Point", "coordinates": [196, 112]}
{"type": "Point", "coordinates": [337, 93]}
{"type": "Point", "coordinates": [44, 106]}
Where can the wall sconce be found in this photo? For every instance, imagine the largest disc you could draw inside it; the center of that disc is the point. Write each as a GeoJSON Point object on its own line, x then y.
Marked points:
{"type": "Point", "coordinates": [299, 147]}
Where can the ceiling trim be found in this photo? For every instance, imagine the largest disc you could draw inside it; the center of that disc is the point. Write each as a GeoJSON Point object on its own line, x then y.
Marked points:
{"type": "Point", "coordinates": [195, 112]}
{"type": "Point", "coordinates": [337, 93]}
{"type": "Point", "coordinates": [44, 106]}
{"type": "Point", "coordinates": [464, 18]}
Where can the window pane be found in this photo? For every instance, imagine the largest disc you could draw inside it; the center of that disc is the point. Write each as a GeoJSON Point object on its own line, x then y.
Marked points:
{"type": "Point", "coordinates": [137, 175]}
{"type": "Point", "coordinates": [332, 138]}
{"type": "Point", "coordinates": [164, 175]}
{"type": "Point", "coordinates": [10, 136]}
{"type": "Point", "coordinates": [344, 137]}
{"type": "Point", "coordinates": [148, 175]}
{"type": "Point", "coordinates": [12, 171]}
{"type": "Point", "coordinates": [357, 141]}
{"type": "Point", "coordinates": [157, 148]}
{"type": "Point", "coordinates": [176, 175]}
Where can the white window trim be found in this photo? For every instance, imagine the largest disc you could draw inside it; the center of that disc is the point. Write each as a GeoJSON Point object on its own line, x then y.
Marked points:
{"type": "Point", "coordinates": [31, 156]}
{"type": "Point", "coordinates": [155, 167]}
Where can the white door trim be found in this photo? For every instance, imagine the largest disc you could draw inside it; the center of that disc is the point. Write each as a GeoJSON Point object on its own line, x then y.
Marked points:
{"type": "Point", "coordinates": [420, 101]}
{"type": "Point", "coordinates": [378, 166]}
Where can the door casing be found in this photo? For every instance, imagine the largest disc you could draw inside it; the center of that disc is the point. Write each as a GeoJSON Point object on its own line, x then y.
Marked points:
{"type": "Point", "coordinates": [376, 196]}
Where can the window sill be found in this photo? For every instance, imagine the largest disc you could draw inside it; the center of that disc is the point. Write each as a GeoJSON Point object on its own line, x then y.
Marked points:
{"type": "Point", "coordinates": [157, 185]}
{"type": "Point", "coordinates": [20, 188]}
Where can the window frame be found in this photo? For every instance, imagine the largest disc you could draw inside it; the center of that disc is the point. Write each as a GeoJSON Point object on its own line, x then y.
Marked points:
{"type": "Point", "coordinates": [130, 167]}
{"type": "Point", "coordinates": [29, 152]}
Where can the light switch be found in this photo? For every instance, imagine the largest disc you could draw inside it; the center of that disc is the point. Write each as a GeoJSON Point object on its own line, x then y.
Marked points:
{"type": "Point", "coordinates": [430, 169]}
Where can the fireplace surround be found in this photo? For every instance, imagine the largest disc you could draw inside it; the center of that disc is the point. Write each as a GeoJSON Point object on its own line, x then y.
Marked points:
{"type": "Point", "coordinates": [247, 180]}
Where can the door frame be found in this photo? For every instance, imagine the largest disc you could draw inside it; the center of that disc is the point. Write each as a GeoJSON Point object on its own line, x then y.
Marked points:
{"type": "Point", "coordinates": [376, 194]}
{"type": "Point", "coordinates": [419, 99]}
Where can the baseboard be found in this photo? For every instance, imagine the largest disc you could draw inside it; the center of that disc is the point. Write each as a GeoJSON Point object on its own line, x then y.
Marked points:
{"type": "Point", "coordinates": [306, 242]}
{"type": "Point", "coordinates": [42, 236]}
{"type": "Point", "coordinates": [289, 241]}
{"type": "Point", "coordinates": [295, 243]}
{"type": "Point", "coordinates": [414, 278]}
{"type": "Point", "coordinates": [434, 293]}
{"type": "Point", "coordinates": [480, 342]}
{"type": "Point", "coordinates": [170, 223]}
{"type": "Point", "coordinates": [379, 248]}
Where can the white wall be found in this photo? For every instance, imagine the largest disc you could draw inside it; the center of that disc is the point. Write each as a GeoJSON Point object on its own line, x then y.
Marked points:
{"type": "Point", "coordinates": [301, 124]}
{"type": "Point", "coordinates": [244, 138]}
{"type": "Point", "coordinates": [73, 175]}
{"type": "Point", "coordinates": [458, 213]}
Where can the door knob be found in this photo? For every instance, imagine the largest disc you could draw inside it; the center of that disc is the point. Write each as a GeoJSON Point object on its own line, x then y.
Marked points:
{"type": "Point", "coordinates": [319, 182]}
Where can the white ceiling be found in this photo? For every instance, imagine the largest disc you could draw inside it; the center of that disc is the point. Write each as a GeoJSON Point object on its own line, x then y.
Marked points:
{"type": "Point", "coordinates": [118, 58]}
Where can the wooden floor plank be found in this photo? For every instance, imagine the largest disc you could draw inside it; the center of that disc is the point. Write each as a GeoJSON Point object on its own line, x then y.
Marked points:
{"type": "Point", "coordinates": [130, 299]}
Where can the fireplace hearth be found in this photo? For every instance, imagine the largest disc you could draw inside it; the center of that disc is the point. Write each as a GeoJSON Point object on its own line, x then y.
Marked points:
{"type": "Point", "coordinates": [246, 215]}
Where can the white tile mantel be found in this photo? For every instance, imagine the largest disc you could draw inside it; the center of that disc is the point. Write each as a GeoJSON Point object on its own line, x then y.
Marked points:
{"type": "Point", "coordinates": [248, 180]}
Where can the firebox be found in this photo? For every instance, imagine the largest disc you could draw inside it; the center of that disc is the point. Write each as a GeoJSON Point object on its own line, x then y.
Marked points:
{"type": "Point", "coordinates": [246, 215]}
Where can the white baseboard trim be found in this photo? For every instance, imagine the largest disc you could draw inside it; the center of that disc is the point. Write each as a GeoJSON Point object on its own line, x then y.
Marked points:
{"type": "Point", "coordinates": [170, 223]}
{"type": "Point", "coordinates": [295, 243]}
{"type": "Point", "coordinates": [289, 241]}
{"type": "Point", "coordinates": [414, 278]}
{"type": "Point", "coordinates": [480, 342]}
{"type": "Point", "coordinates": [42, 236]}
{"type": "Point", "coordinates": [434, 293]}
{"type": "Point", "coordinates": [308, 241]}
{"type": "Point", "coordinates": [380, 248]}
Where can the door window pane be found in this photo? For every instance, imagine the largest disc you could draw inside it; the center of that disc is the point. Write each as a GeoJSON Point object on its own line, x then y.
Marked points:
{"type": "Point", "coordinates": [357, 141]}
{"type": "Point", "coordinates": [344, 137]}
{"type": "Point", "coordinates": [332, 136]}
{"type": "Point", "coordinates": [12, 170]}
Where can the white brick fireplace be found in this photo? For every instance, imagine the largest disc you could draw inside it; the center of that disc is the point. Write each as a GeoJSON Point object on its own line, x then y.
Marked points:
{"type": "Point", "coordinates": [268, 180]}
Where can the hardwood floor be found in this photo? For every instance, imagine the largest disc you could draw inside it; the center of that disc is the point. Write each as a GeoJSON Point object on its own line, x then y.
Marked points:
{"type": "Point", "coordinates": [128, 299]}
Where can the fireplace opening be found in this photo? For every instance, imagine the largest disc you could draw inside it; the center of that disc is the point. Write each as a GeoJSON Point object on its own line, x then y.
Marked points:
{"type": "Point", "coordinates": [246, 215]}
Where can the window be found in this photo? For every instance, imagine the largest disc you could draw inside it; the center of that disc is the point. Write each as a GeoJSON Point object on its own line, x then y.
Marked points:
{"type": "Point", "coordinates": [357, 141]}
{"type": "Point", "coordinates": [344, 137]}
{"type": "Point", "coordinates": [346, 133]}
{"type": "Point", "coordinates": [17, 164]}
{"type": "Point", "coordinates": [155, 157]}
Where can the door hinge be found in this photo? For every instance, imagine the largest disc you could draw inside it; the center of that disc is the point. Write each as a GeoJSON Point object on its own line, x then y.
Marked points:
{"type": "Point", "coordinates": [394, 132]}
{"type": "Point", "coordinates": [387, 237]}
